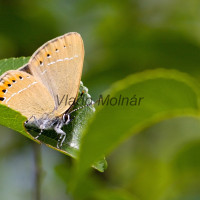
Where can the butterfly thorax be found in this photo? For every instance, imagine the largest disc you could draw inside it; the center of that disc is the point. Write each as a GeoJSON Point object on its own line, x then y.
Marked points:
{"type": "Point", "coordinates": [48, 121]}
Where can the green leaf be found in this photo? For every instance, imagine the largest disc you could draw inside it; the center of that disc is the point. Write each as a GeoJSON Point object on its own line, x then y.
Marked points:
{"type": "Point", "coordinates": [15, 120]}
{"type": "Point", "coordinates": [116, 194]}
{"type": "Point", "coordinates": [12, 64]}
{"type": "Point", "coordinates": [164, 93]}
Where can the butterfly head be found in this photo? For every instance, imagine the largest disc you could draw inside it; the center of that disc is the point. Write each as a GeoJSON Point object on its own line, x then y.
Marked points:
{"type": "Point", "coordinates": [66, 118]}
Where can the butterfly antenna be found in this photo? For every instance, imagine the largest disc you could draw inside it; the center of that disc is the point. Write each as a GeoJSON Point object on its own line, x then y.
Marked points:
{"type": "Point", "coordinates": [81, 95]}
{"type": "Point", "coordinates": [90, 104]}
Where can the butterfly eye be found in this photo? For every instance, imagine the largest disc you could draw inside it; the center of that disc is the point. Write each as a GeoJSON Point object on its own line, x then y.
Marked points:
{"type": "Point", "coordinates": [66, 118]}
{"type": "Point", "coordinates": [9, 85]}
{"type": "Point", "coordinates": [41, 63]}
{"type": "Point", "coordinates": [48, 55]}
{"type": "Point", "coordinates": [20, 77]}
{"type": "Point", "coordinates": [57, 50]}
{"type": "Point", "coordinates": [14, 81]}
{"type": "Point", "coordinates": [4, 91]}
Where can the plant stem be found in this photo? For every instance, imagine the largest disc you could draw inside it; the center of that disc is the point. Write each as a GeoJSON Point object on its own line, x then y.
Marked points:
{"type": "Point", "coordinates": [37, 171]}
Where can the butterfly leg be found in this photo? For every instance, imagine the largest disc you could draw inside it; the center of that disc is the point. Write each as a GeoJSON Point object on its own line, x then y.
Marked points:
{"type": "Point", "coordinates": [39, 134]}
{"type": "Point", "coordinates": [35, 120]}
{"type": "Point", "coordinates": [36, 123]}
{"type": "Point", "coordinates": [27, 121]}
{"type": "Point", "coordinates": [62, 134]}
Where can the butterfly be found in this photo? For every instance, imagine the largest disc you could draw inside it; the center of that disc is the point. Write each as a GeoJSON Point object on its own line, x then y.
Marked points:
{"type": "Point", "coordinates": [39, 90]}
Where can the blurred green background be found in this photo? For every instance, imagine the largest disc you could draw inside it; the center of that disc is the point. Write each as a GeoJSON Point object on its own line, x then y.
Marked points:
{"type": "Point", "coordinates": [121, 38]}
